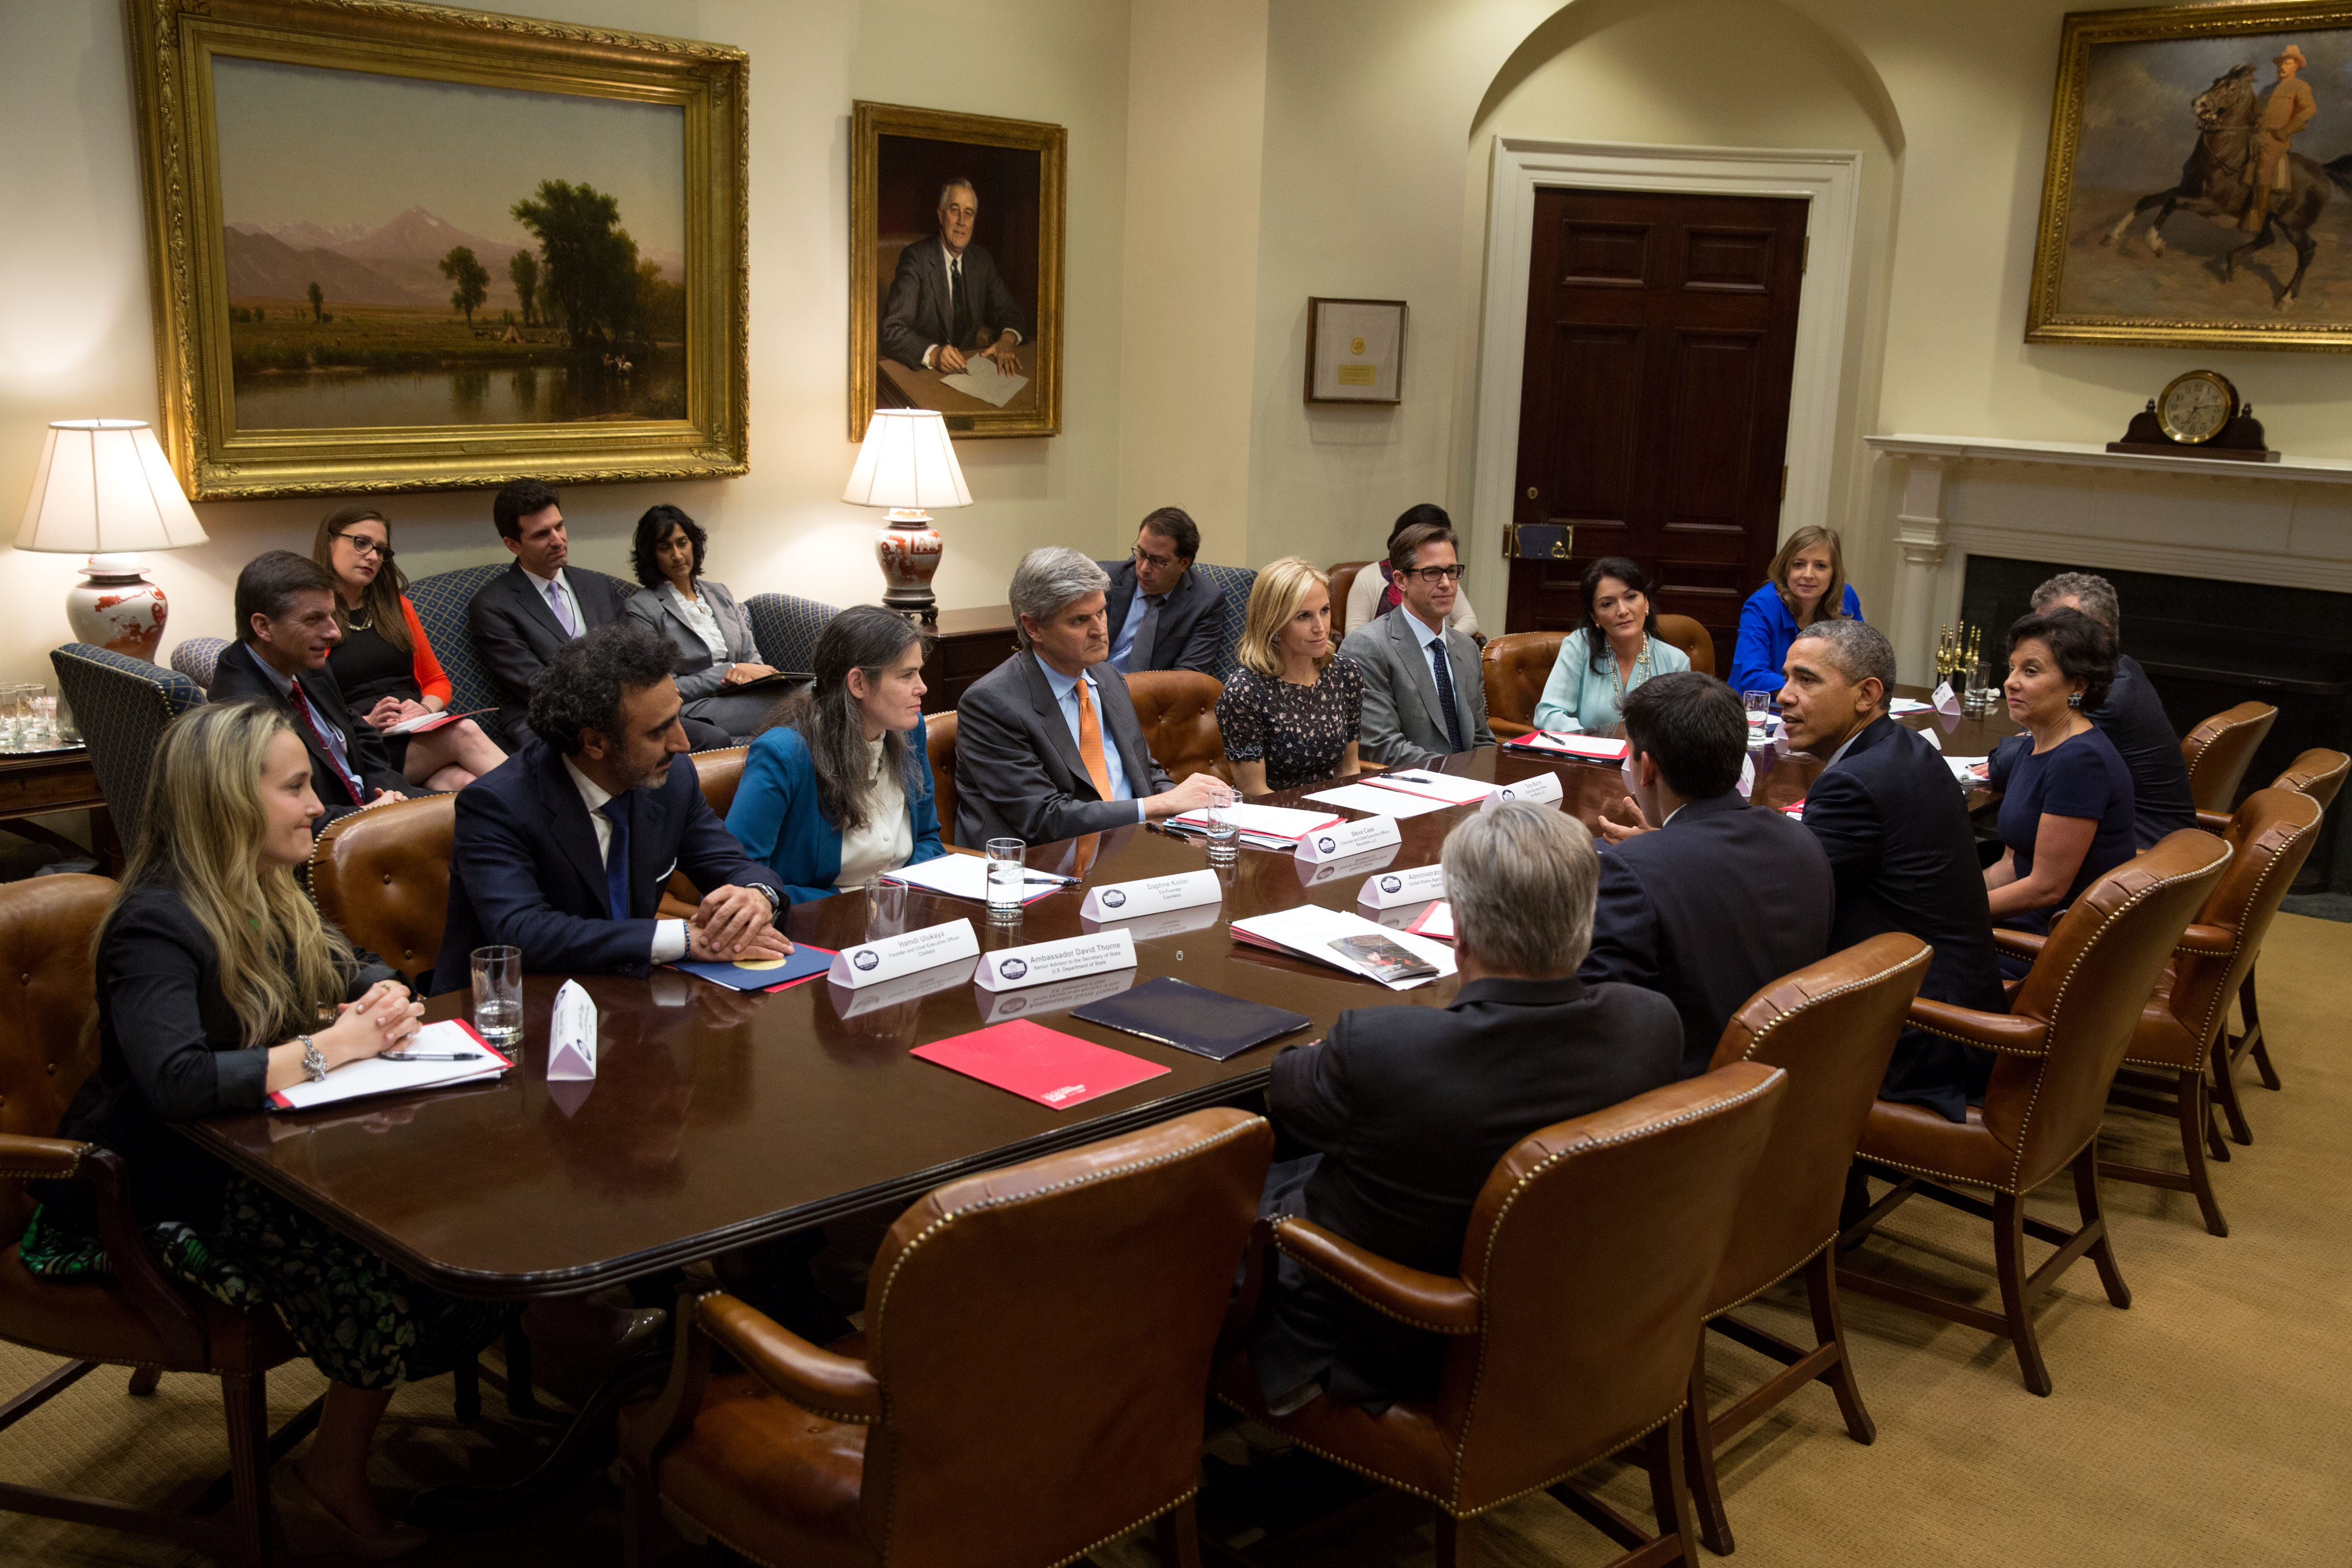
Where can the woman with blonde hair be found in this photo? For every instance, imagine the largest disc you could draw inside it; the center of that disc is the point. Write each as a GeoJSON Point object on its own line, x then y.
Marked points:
{"type": "Point", "coordinates": [217, 986]}
{"type": "Point", "coordinates": [1291, 714]}
{"type": "Point", "coordinates": [1806, 583]}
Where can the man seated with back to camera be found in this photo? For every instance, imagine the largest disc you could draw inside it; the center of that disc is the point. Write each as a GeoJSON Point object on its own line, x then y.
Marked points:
{"type": "Point", "coordinates": [1409, 1108]}
{"type": "Point", "coordinates": [564, 851]}
{"type": "Point", "coordinates": [1714, 898]}
{"type": "Point", "coordinates": [1424, 693]}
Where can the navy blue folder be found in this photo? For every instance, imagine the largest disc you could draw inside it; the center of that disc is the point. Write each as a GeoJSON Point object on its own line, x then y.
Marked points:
{"type": "Point", "coordinates": [1190, 1018]}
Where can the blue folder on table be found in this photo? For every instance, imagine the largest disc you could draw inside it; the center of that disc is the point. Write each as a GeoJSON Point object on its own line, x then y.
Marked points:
{"type": "Point", "coordinates": [806, 961]}
{"type": "Point", "coordinates": [1190, 1018]}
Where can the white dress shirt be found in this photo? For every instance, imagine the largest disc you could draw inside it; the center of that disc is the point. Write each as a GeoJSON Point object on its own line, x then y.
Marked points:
{"type": "Point", "coordinates": [1421, 632]}
{"type": "Point", "coordinates": [570, 599]}
{"type": "Point", "coordinates": [1066, 692]}
{"type": "Point", "coordinates": [702, 621]}
{"type": "Point", "coordinates": [888, 840]}
{"type": "Point", "coordinates": [670, 936]}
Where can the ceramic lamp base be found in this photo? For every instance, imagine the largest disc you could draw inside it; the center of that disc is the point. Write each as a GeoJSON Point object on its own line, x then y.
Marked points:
{"type": "Point", "coordinates": [116, 608]}
{"type": "Point", "coordinates": [907, 549]}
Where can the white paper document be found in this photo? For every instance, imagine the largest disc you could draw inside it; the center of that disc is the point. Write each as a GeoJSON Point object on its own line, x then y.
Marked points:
{"type": "Point", "coordinates": [1268, 827]}
{"type": "Point", "coordinates": [966, 876]}
{"type": "Point", "coordinates": [1968, 770]}
{"type": "Point", "coordinates": [1902, 707]}
{"type": "Point", "coordinates": [1377, 802]}
{"type": "Point", "coordinates": [1445, 787]}
{"type": "Point", "coordinates": [374, 1075]}
{"type": "Point", "coordinates": [980, 379]}
{"type": "Point", "coordinates": [1310, 930]}
{"type": "Point", "coordinates": [1436, 921]}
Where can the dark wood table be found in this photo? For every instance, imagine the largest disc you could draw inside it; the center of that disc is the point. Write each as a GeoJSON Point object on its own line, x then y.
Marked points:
{"type": "Point", "coordinates": [37, 783]}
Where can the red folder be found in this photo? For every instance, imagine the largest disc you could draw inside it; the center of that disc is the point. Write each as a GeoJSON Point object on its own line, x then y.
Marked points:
{"type": "Point", "coordinates": [1056, 1070]}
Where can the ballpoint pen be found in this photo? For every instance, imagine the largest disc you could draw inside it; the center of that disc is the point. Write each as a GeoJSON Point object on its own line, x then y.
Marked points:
{"type": "Point", "coordinates": [1049, 876]}
{"type": "Point", "coordinates": [430, 1056]}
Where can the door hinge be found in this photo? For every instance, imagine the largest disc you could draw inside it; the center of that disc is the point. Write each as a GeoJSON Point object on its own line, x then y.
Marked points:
{"type": "Point", "coordinates": [1805, 256]}
{"type": "Point", "coordinates": [1784, 481]}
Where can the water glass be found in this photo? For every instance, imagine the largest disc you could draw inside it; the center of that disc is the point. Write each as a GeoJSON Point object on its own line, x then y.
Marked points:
{"type": "Point", "coordinates": [40, 721]}
{"type": "Point", "coordinates": [1224, 837]}
{"type": "Point", "coordinates": [498, 995]}
{"type": "Point", "coordinates": [12, 712]}
{"type": "Point", "coordinates": [886, 907]}
{"type": "Point", "coordinates": [1008, 880]}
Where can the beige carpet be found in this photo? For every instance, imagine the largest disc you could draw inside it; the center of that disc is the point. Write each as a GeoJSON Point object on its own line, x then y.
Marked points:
{"type": "Point", "coordinates": [2207, 1426]}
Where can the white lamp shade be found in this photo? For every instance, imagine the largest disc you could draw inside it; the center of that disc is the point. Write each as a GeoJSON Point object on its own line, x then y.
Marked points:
{"type": "Point", "coordinates": [907, 460]}
{"type": "Point", "coordinates": [104, 487]}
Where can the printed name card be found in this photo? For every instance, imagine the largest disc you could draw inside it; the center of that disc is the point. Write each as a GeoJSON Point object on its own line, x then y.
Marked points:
{"type": "Point", "coordinates": [892, 956]}
{"type": "Point", "coordinates": [997, 1007]}
{"type": "Point", "coordinates": [1151, 894]}
{"type": "Point", "coordinates": [1393, 888]}
{"type": "Point", "coordinates": [1342, 839]}
{"type": "Point", "coordinates": [1008, 968]}
{"type": "Point", "coordinates": [1541, 787]}
{"type": "Point", "coordinates": [571, 1035]}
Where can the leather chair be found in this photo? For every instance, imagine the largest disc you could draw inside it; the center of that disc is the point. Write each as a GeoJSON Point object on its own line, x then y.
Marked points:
{"type": "Point", "coordinates": [2218, 753]}
{"type": "Point", "coordinates": [1515, 665]}
{"type": "Point", "coordinates": [1237, 581]}
{"type": "Point", "coordinates": [2319, 773]}
{"type": "Point", "coordinates": [198, 658]}
{"type": "Point", "coordinates": [1178, 710]}
{"type": "Point", "coordinates": [1833, 1027]}
{"type": "Point", "coordinates": [381, 878]}
{"type": "Point", "coordinates": [1037, 1344]}
{"type": "Point", "coordinates": [135, 1315]}
{"type": "Point", "coordinates": [2058, 1048]}
{"type": "Point", "coordinates": [1574, 1321]}
{"type": "Point", "coordinates": [122, 705]}
{"type": "Point", "coordinates": [939, 735]}
{"type": "Point", "coordinates": [2183, 1026]}
{"type": "Point", "coordinates": [1343, 582]}
{"type": "Point", "coordinates": [786, 629]}
{"type": "Point", "coordinates": [1693, 638]}
{"type": "Point", "coordinates": [720, 770]}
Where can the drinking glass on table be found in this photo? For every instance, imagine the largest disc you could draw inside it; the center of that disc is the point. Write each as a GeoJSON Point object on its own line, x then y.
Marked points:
{"type": "Point", "coordinates": [1223, 835]}
{"type": "Point", "coordinates": [498, 995]}
{"type": "Point", "coordinates": [1008, 880]}
{"type": "Point", "coordinates": [886, 906]}
{"type": "Point", "coordinates": [39, 724]}
{"type": "Point", "coordinates": [12, 708]}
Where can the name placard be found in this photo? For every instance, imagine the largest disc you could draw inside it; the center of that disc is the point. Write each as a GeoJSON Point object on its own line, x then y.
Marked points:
{"type": "Point", "coordinates": [997, 1007]}
{"type": "Point", "coordinates": [891, 957]}
{"type": "Point", "coordinates": [1344, 839]}
{"type": "Point", "coordinates": [571, 1035]}
{"type": "Point", "coordinates": [1390, 889]}
{"type": "Point", "coordinates": [1150, 895]}
{"type": "Point", "coordinates": [1538, 787]}
{"type": "Point", "coordinates": [1008, 968]}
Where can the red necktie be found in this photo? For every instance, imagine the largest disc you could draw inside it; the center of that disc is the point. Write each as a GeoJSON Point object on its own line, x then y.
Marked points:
{"type": "Point", "coordinates": [310, 722]}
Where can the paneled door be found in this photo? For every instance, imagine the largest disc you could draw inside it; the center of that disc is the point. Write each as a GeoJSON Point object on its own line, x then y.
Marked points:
{"type": "Point", "coordinates": [1654, 412]}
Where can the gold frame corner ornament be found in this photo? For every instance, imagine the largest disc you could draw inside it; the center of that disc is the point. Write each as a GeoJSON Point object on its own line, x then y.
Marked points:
{"type": "Point", "coordinates": [173, 46]}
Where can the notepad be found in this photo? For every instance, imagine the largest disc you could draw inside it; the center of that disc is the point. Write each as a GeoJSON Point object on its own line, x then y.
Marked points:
{"type": "Point", "coordinates": [1583, 747]}
{"type": "Point", "coordinates": [374, 1075]}
{"type": "Point", "coordinates": [425, 723]}
{"type": "Point", "coordinates": [1190, 1017]}
{"type": "Point", "coordinates": [1432, 786]}
{"type": "Point", "coordinates": [806, 963]}
{"type": "Point", "coordinates": [1376, 802]}
{"type": "Point", "coordinates": [1055, 1070]}
{"type": "Point", "coordinates": [966, 876]}
{"type": "Point", "coordinates": [1309, 931]}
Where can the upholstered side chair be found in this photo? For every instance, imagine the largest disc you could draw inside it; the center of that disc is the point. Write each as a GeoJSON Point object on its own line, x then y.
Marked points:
{"type": "Point", "coordinates": [122, 705]}
{"type": "Point", "coordinates": [2319, 773]}
{"type": "Point", "coordinates": [2219, 751]}
{"type": "Point", "coordinates": [198, 657]}
{"type": "Point", "coordinates": [1178, 710]}
{"type": "Point", "coordinates": [1237, 581]}
{"type": "Point", "coordinates": [1343, 581]}
{"type": "Point", "coordinates": [786, 629]}
{"type": "Point", "coordinates": [1516, 666]}
{"type": "Point", "coordinates": [1695, 641]}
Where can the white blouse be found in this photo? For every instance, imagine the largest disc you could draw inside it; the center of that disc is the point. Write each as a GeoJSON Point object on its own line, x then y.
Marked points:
{"type": "Point", "coordinates": [888, 837]}
{"type": "Point", "coordinates": [699, 615]}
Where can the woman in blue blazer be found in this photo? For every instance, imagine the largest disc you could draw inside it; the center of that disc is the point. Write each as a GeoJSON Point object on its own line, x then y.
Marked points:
{"type": "Point", "coordinates": [1808, 576]}
{"type": "Point", "coordinates": [841, 786]}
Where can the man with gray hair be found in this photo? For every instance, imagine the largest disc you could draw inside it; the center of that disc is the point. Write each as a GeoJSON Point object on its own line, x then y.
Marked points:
{"type": "Point", "coordinates": [1409, 1108]}
{"type": "Point", "coordinates": [2132, 716]}
{"type": "Point", "coordinates": [1895, 825]}
{"type": "Point", "coordinates": [1047, 742]}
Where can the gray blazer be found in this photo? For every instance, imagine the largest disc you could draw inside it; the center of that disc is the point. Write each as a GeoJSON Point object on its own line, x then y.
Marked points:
{"type": "Point", "coordinates": [1404, 726]}
{"type": "Point", "coordinates": [1017, 770]}
{"type": "Point", "coordinates": [699, 675]}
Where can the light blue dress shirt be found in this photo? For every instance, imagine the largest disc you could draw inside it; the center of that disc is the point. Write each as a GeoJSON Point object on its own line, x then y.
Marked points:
{"type": "Point", "coordinates": [1124, 644]}
{"type": "Point", "coordinates": [1064, 689]}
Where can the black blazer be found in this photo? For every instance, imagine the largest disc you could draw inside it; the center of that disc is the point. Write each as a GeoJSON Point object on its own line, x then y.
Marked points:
{"type": "Point", "coordinates": [1709, 909]}
{"type": "Point", "coordinates": [1017, 770]}
{"type": "Point", "coordinates": [515, 633]}
{"type": "Point", "coordinates": [1189, 620]}
{"type": "Point", "coordinates": [524, 871]}
{"type": "Point", "coordinates": [1895, 826]}
{"type": "Point", "coordinates": [916, 313]}
{"type": "Point", "coordinates": [2133, 716]}
{"type": "Point", "coordinates": [239, 677]}
{"type": "Point", "coordinates": [1409, 1108]}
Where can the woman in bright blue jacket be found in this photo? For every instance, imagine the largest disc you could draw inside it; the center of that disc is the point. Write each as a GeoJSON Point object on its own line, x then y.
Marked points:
{"type": "Point", "coordinates": [840, 786]}
{"type": "Point", "coordinates": [1807, 575]}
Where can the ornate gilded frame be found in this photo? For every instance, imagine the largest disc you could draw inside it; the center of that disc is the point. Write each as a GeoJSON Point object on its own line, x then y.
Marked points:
{"type": "Point", "coordinates": [173, 46]}
{"type": "Point", "coordinates": [2045, 321]}
{"type": "Point", "coordinates": [868, 123]}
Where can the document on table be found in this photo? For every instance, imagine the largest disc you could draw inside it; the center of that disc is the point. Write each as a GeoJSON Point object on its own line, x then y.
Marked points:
{"type": "Point", "coordinates": [966, 876]}
{"type": "Point", "coordinates": [980, 379]}
{"type": "Point", "coordinates": [374, 1075]}
{"type": "Point", "coordinates": [1377, 802]}
{"type": "Point", "coordinates": [1309, 930]}
{"type": "Point", "coordinates": [1903, 707]}
{"type": "Point", "coordinates": [1268, 827]}
{"type": "Point", "coordinates": [1968, 770]}
{"type": "Point", "coordinates": [1441, 787]}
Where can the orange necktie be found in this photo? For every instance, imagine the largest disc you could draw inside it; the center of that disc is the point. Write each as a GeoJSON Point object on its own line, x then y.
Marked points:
{"type": "Point", "coordinates": [1090, 745]}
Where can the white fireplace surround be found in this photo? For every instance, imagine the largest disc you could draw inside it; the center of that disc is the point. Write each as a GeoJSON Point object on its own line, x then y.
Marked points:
{"type": "Point", "coordinates": [2287, 523]}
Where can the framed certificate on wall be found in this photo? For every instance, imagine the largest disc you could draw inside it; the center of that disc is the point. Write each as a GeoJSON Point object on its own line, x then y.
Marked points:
{"type": "Point", "coordinates": [1355, 351]}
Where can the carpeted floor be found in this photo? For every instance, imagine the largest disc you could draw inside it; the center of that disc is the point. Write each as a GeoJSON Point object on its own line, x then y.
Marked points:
{"type": "Point", "coordinates": [2204, 1426]}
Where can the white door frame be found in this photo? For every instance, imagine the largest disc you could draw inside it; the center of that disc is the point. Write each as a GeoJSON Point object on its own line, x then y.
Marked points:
{"type": "Point", "coordinates": [1830, 181]}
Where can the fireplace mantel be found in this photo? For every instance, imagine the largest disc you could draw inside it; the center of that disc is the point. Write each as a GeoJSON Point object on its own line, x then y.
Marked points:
{"type": "Point", "coordinates": [2076, 454]}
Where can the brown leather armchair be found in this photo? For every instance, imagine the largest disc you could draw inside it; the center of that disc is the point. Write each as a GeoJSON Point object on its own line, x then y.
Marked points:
{"type": "Point", "coordinates": [134, 1316]}
{"type": "Point", "coordinates": [719, 771]}
{"type": "Point", "coordinates": [1343, 582]}
{"type": "Point", "coordinates": [1515, 665]}
{"type": "Point", "coordinates": [1833, 1027]}
{"type": "Point", "coordinates": [1037, 1343]}
{"type": "Point", "coordinates": [382, 878]}
{"type": "Point", "coordinates": [2319, 773]}
{"type": "Point", "coordinates": [1178, 710]}
{"type": "Point", "coordinates": [939, 735]}
{"type": "Point", "coordinates": [2058, 1048]}
{"type": "Point", "coordinates": [2219, 750]}
{"type": "Point", "coordinates": [1692, 638]}
{"type": "Point", "coordinates": [1614, 1223]}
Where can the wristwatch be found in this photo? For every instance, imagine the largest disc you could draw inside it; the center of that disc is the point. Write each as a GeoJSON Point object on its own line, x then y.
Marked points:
{"type": "Point", "coordinates": [775, 900]}
{"type": "Point", "coordinates": [313, 1064]}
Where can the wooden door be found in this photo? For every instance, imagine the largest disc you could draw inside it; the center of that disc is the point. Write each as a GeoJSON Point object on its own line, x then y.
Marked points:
{"type": "Point", "coordinates": [1653, 411]}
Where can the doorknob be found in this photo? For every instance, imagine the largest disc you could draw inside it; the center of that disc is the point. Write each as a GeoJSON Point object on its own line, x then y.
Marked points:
{"type": "Point", "coordinates": [1531, 492]}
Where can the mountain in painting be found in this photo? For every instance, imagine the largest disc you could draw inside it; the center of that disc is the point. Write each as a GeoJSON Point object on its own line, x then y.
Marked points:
{"type": "Point", "coordinates": [262, 266]}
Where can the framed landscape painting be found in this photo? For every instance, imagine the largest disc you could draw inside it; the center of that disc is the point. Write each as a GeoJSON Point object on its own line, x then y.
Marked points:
{"type": "Point", "coordinates": [2200, 183]}
{"type": "Point", "coordinates": [397, 246]}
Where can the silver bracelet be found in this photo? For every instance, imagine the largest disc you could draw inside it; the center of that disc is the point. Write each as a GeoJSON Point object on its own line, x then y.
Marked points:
{"type": "Point", "coordinates": [313, 1062]}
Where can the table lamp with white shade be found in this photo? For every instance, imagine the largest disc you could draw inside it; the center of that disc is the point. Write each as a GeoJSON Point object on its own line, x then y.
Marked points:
{"type": "Point", "coordinates": [104, 489]}
{"type": "Point", "coordinates": [907, 464]}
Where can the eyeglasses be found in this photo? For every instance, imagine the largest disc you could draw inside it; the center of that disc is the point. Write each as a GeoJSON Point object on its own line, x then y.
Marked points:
{"type": "Point", "coordinates": [1436, 574]}
{"type": "Point", "coordinates": [1145, 557]}
{"type": "Point", "coordinates": [363, 547]}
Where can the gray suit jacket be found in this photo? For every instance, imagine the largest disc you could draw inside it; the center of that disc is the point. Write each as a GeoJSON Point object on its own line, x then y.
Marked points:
{"type": "Point", "coordinates": [515, 633]}
{"type": "Point", "coordinates": [1403, 726]}
{"type": "Point", "coordinates": [1017, 770]}
{"type": "Point", "coordinates": [1189, 622]}
{"type": "Point", "coordinates": [698, 675]}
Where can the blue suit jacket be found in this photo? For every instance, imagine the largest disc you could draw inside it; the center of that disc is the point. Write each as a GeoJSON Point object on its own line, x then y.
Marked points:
{"type": "Point", "coordinates": [1766, 630]}
{"type": "Point", "coordinates": [524, 871]}
{"type": "Point", "coordinates": [775, 816]}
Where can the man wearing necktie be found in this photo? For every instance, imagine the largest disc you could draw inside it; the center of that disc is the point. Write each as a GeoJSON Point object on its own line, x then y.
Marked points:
{"type": "Point", "coordinates": [948, 304]}
{"type": "Point", "coordinates": [1164, 615]}
{"type": "Point", "coordinates": [1424, 693]}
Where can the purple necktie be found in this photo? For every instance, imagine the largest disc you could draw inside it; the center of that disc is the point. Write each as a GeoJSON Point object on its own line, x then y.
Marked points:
{"type": "Point", "coordinates": [562, 611]}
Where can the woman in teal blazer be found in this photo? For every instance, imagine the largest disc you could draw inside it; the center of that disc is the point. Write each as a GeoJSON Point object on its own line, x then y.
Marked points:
{"type": "Point", "coordinates": [840, 788]}
{"type": "Point", "coordinates": [1616, 650]}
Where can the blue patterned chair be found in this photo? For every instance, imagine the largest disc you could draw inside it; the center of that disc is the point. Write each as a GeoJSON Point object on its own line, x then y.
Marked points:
{"type": "Point", "coordinates": [440, 601]}
{"type": "Point", "coordinates": [1237, 581]}
{"type": "Point", "coordinates": [786, 629]}
{"type": "Point", "coordinates": [198, 657]}
{"type": "Point", "coordinates": [121, 706]}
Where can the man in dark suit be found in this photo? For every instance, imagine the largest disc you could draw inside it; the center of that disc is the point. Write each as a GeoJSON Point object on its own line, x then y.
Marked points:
{"type": "Point", "coordinates": [948, 303]}
{"type": "Point", "coordinates": [2133, 716]}
{"type": "Point", "coordinates": [564, 851]}
{"type": "Point", "coordinates": [286, 628]}
{"type": "Point", "coordinates": [1895, 825]}
{"type": "Point", "coordinates": [1162, 614]}
{"type": "Point", "coordinates": [1047, 742]}
{"type": "Point", "coordinates": [1720, 898]}
{"type": "Point", "coordinates": [1424, 693]}
{"type": "Point", "coordinates": [1409, 1108]}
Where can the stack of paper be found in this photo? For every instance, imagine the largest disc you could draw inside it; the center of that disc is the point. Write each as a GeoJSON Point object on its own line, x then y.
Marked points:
{"type": "Point", "coordinates": [374, 1075]}
{"type": "Point", "coordinates": [1584, 747]}
{"type": "Point", "coordinates": [1266, 827]}
{"type": "Point", "coordinates": [1902, 707]}
{"type": "Point", "coordinates": [1436, 922]}
{"type": "Point", "coordinates": [1430, 786]}
{"type": "Point", "coordinates": [1968, 770]}
{"type": "Point", "coordinates": [1377, 802]}
{"type": "Point", "coordinates": [1309, 931]}
{"type": "Point", "coordinates": [966, 876]}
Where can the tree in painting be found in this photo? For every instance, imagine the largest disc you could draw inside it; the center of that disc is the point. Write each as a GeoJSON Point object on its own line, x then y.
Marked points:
{"type": "Point", "coordinates": [522, 271]}
{"type": "Point", "coordinates": [591, 261]}
{"type": "Point", "coordinates": [471, 278]}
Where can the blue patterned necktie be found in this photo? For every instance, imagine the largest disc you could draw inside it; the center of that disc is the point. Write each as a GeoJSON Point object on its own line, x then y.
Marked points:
{"type": "Point", "coordinates": [1445, 693]}
{"type": "Point", "coordinates": [616, 858]}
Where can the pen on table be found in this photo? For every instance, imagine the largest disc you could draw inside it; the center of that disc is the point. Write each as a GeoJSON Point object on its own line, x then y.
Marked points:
{"type": "Point", "coordinates": [1049, 876]}
{"type": "Point", "coordinates": [430, 1056]}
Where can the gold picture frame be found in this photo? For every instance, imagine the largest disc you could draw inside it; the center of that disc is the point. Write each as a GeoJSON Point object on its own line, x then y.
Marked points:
{"type": "Point", "coordinates": [2155, 122]}
{"type": "Point", "coordinates": [567, 415]}
{"type": "Point", "coordinates": [1017, 173]}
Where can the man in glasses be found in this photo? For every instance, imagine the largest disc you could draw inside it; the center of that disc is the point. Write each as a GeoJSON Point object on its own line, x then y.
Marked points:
{"type": "Point", "coordinates": [1425, 696]}
{"type": "Point", "coordinates": [1164, 615]}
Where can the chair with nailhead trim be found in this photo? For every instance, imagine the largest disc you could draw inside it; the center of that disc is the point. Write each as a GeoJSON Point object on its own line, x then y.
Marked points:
{"type": "Point", "coordinates": [122, 705]}
{"type": "Point", "coordinates": [198, 657]}
{"type": "Point", "coordinates": [786, 629]}
{"type": "Point", "coordinates": [2319, 773]}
